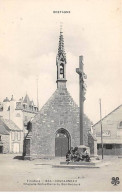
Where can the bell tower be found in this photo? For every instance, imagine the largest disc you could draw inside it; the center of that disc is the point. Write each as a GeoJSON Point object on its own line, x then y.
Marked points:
{"type": "Point", "coordinates": [61, 63]}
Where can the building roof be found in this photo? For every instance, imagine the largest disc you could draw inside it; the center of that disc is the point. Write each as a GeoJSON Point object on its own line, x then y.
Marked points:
{"type": "Point", "coordinates": [26, 105]}
{"type": "Point", "coordinates": [12, 98]}
{"type": "Point", "coordinates": [26, 99]}
{"type": "Point", "coordinates": [108, 114]}
{"type": "Point", "coordinates": [10, 125]}
{"type": "Point", "coordinates": [6, 100]}
{"type": "Point", "coordinates": [3, 130]}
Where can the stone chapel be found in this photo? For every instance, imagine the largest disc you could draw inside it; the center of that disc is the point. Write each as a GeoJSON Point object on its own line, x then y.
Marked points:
{"type": "Point", "coordinates": [55, 129]}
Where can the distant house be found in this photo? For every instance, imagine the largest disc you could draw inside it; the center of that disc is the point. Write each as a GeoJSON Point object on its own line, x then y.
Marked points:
{"type": "Point", "coordinates": [15, 116]}
{"type": "Point", "coordinates": [112, 133]}
{"type": "Point", "coordinates": [11, 137]}
{"type": "Point", "coordinates": [4, 140]}
{"type": "Point", "coordinates": [20, 112]}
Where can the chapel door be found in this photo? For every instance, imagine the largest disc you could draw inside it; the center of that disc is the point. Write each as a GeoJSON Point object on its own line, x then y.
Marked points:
{"type": "Point", "coordinates": [61, 145]}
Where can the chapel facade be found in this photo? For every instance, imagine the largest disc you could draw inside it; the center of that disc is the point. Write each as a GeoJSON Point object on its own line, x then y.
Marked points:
{"type": "Point", "coordinates": [55, 129]}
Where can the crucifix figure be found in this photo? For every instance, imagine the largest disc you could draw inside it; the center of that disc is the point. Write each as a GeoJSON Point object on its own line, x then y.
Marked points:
{"type": "Point", "coordinates": [82, 92]}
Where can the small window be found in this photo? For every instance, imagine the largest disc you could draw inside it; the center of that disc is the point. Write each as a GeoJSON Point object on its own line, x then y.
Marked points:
{"type": "Point", "coordinates": [1, 108]}
{"type": "Point", "coordinates": [99, 146]}
{"type": "Point", "coordinates": [18, 105]}
{"type": "Point", "coordinates": [109, 146]}
{"type": "Point", "coordinates": [8, 108]}
{"type": "Point", "coordinates": [18, 136]}
{"type": "Point", "coordinates": [120, 124]}
{"type": "Point", "coordinates": [24, 106]}
{"type": "Point", "coordinates": [61, 71]}
{"type": "Point", "coordinates": [12, 136]}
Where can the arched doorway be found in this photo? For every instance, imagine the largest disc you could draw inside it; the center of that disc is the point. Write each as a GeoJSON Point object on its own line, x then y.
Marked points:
{"type": "Point", "coordinates": [62, 142]}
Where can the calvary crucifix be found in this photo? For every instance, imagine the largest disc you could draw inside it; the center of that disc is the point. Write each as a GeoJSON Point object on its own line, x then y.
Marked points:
{"type": "Point", "coordinates": [82, 92]}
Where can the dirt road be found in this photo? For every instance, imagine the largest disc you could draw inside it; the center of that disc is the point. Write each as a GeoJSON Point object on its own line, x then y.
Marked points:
{"type": "Point", "coordinates": [38, 175]}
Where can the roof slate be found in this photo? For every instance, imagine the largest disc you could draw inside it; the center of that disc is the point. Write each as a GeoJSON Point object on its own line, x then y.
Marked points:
{"type": "Point", "coordinates": [107, 115]}
{"type": "Point", "coordinates": [26, 99]}
{"type": "Point", "coordinates": [3, 130]}
{"type": "Point", "coordinates": [10, 125]}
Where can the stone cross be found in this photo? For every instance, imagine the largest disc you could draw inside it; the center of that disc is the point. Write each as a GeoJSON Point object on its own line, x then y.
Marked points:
{"type": "Point", "coordinates": [82, 90]}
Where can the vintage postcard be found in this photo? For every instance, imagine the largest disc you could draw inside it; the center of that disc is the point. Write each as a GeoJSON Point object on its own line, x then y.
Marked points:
{"type": "Point", "coordinates": [60, 95]}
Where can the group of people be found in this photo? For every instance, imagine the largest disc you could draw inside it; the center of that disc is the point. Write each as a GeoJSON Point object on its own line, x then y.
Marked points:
{"type": "Point", "coordinates": [74, 155]}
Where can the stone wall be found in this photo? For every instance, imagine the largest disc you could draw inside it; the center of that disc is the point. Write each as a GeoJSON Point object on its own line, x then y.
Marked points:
{"type": "Point", "coordinates": [60, 112]}
{"type": "Point", "coordinates": [5, 139]}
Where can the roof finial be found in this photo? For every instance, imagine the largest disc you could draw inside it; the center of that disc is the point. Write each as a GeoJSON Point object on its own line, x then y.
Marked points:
{"type": "Point", "coordinates": [61, 50]}
{"type": "Point", "coordinates": [61, 27]}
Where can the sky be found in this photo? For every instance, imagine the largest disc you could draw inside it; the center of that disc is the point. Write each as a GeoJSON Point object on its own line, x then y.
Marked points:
{"type": "Point", "coordinates": [29, 35]}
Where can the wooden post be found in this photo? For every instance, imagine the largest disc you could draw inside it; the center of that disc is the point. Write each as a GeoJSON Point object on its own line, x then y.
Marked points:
{"type": "Point", "coordinates": [101, 127]}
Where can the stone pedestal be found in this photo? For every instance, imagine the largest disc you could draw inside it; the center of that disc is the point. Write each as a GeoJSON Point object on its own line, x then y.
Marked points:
{"type": "Point", "coordinates": [82, 149]}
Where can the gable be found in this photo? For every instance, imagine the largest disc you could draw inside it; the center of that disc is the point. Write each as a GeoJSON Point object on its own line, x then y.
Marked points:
{"type": "Point", "coordinates": [115, 115]}
{"type": "Point", "coordinates": [60, 106]}
{"type": "Point", "coordinates": [112, 131]}
{"type": "Point", "coordinates": [59, 112]}
{"type": "Point", "coordinates": [59, 102]}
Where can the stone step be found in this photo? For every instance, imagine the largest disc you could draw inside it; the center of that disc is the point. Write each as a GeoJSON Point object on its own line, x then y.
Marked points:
{"type": "Point", "coordinates": [72, 165]}
{"type": "Point", "coordinates": [77, 163]}
{"type": "Point", "coordinates": [75, 166]}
